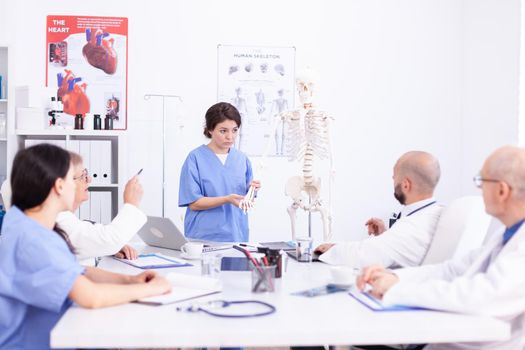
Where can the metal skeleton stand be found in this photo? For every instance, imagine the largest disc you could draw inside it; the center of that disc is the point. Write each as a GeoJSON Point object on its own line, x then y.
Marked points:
{"type": "Point", "coordinates": [164, 97]}
{"type": "Point", "coordinates": [310, 216]}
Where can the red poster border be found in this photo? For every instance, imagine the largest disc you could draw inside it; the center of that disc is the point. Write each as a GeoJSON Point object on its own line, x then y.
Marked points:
{"type": "Point", "coordinates": [63, 31]}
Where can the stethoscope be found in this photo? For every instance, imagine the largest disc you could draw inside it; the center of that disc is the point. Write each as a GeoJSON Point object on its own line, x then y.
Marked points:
{"type": "Point", "coordinates": [210, 306]}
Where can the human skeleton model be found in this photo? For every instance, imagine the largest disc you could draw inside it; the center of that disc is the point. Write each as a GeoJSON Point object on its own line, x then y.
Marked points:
{"type": "Point", "coordinates": [307, 136]}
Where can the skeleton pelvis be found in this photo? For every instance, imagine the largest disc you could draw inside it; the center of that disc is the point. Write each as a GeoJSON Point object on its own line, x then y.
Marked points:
{"type": "Point", "coordinates": [296, 186]}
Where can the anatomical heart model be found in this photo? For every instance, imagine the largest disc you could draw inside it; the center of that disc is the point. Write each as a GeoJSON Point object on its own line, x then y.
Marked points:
{"type": "Point", "coordinates": [72, 93]}
{"type": "Point", "coordinates": [99, 51]}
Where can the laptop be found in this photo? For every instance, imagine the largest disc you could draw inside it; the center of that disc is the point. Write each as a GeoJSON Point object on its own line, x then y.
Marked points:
{"type": "Point", "coordinates": [163, 233]}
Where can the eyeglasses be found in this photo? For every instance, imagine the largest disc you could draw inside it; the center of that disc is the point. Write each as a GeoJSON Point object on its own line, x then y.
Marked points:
{"type": "Point", "coordinates": [84, 177]}
{"type": "Point", "coordinates": [478, 180]}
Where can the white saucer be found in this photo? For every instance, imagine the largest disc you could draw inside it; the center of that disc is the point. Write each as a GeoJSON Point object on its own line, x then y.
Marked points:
{"type": "Point", "coordinates": [184, 256]}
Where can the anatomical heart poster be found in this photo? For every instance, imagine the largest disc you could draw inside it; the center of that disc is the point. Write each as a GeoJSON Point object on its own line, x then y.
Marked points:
{"type": "Point", "coordinates": [259, 81]}
{"type": "Point", "coordinates": [86, 62]}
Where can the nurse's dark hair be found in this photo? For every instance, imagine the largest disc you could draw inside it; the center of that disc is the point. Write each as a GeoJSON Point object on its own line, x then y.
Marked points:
{"type": "Point", "coordinates": [34, 173]}
{"type": "Point", "coordinates": [218, 113]}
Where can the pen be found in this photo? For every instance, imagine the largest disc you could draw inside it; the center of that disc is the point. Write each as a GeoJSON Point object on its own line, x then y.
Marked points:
{"type": "Point", "coordinates": [140, 171]}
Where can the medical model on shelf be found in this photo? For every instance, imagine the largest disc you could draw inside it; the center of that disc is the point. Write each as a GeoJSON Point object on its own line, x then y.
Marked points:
{"type": "Point", "coordinates": [307, 135]}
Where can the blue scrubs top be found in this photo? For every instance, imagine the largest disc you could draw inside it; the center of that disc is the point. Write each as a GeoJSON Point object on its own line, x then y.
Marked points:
{"type": "Point", "coordinates": [37, 272]}
{"type": "Point", "coordinates": [203, 175]}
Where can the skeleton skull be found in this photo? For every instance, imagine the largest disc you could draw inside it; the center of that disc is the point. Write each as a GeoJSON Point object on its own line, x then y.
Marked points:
{"type": "Point", "coordinates": [305, 82]}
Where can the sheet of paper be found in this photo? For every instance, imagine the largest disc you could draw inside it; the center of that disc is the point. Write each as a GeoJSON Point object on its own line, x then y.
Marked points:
{"type": "Point", "coordinates": [185, 287]}
{"type": "Point", "coordinates": [191, 281]}
{"type": "Point", "coordinates": [176, 295]}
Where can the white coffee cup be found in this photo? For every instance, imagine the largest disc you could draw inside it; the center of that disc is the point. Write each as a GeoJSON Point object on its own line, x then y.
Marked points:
{"type": "Point", "coordinates": [343, 275]}
{"type": "Point", "coordinates": [192, 249]}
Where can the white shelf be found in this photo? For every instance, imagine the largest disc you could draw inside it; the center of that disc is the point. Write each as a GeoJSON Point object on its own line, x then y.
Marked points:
{"type": "Point", "coordinates": [3, 100]}
{"type": "Point", "coordinates": [3, 139]}
{"type": "Point", "coordinates": [103, 186]}
{"type": "Point", "coordinates": [66, 132]}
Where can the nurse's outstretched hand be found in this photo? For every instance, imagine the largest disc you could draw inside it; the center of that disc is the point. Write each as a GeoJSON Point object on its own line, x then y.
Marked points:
{"type": "Point", "coordinates": [234, 199]}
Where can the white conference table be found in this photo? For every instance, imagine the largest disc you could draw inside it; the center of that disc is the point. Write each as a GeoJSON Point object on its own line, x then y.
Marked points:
{"type": "Point", "coordinates": [335, 319]}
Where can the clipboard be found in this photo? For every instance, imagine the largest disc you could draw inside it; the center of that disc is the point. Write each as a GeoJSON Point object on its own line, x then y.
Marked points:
{"type": "Point", "coordinates": [154, 261]}
{"type": "Point", "coordinates": [375, 304]}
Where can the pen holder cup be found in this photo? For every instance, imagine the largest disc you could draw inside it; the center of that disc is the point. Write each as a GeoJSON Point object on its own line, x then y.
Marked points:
{"type": "Point", "coordinates": [274, 257]}
{"type": "Point", "coordinates": [263, 279]}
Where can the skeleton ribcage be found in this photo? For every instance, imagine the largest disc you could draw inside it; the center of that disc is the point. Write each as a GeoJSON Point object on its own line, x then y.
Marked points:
{"type": "Point", "coordinates": [313, 135]}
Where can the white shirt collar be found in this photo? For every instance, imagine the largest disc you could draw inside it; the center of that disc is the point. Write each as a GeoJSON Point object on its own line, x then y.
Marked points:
{"type": "Point", "coordinates": [416, 205]}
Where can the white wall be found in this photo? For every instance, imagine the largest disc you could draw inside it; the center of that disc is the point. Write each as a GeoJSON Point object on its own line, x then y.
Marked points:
{"type": "Point", "coordinates": [490, 79]}
{"type": "Point", "coordinates": [3, 21]}
{"type": "Point", "coordinates": [396, 75]}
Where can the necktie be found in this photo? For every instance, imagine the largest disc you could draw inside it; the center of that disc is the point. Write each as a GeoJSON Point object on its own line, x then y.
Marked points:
{"type": "Point", "coordinates": [393, 219]}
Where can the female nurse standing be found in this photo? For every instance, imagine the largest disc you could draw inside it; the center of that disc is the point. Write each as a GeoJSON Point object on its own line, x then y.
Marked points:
{"type": "Point", "coordinates": [214, 179]}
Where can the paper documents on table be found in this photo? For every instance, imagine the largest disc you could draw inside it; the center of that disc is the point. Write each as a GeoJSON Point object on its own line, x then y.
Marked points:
{"type": "Point", "coordinates": [377, 305]}
{"type": "Point", "coordinates": [185, 287]}
{"type": "Point", "coordinates": [154, 261]}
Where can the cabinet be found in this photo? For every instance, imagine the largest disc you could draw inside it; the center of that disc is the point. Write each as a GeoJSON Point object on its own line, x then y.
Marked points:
{"type": "Point", "coordinates": [101, 151]}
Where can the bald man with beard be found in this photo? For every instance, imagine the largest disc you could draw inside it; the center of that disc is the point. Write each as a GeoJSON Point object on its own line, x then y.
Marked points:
{"type": "Point", "coordinates": [406, 243]}
{"type": "Point", "coordinates": [489, 281]}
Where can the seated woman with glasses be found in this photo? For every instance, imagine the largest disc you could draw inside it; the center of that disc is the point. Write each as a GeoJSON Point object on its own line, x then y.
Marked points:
{"type": "Point", "coordinates": [39, 275]}
{"type": "Point", "coordinates": [92, 240]}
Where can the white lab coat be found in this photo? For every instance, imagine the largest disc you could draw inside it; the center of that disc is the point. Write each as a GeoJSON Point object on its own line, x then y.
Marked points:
{"type": "Point", "coordinates": [488, 281]}
{"type": "Point", "coordinates": [93, 240]}
{"type": "Point", "coordinates": [405, 244]}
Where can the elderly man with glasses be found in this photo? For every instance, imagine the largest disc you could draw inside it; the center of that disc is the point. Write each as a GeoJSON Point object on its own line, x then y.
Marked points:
{"type": "Point", "coordinates": [488, 281]}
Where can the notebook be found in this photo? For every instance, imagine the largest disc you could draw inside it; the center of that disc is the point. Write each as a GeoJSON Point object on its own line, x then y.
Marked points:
{"type": "Point", "coordinates": [185, 287]}
{"type": "Point", "coordinates": [163, 233]}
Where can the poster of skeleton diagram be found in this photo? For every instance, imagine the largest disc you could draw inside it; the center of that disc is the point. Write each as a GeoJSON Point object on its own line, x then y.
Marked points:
{"type": "Point", "coordinates": [259, 81]}
{"type": "Point", "coordinates": [86, 62]}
